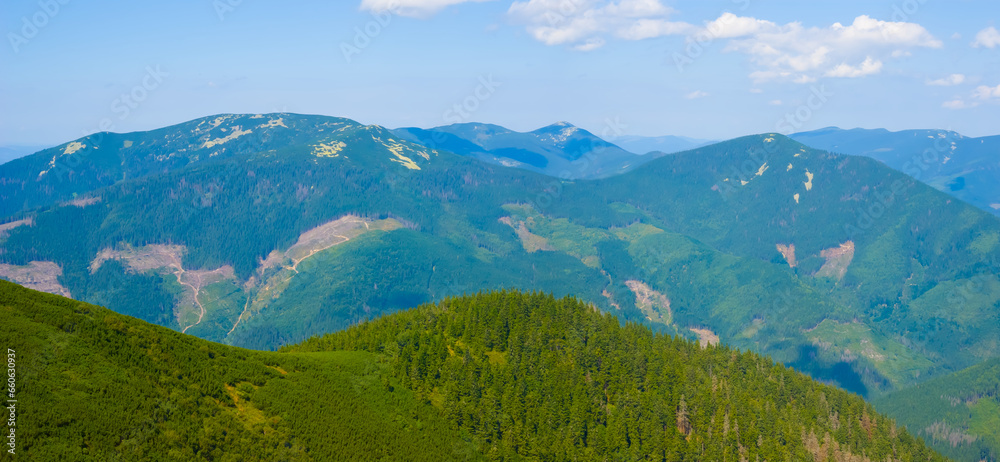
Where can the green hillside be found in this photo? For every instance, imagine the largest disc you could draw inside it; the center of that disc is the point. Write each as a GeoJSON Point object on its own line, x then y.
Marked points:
{"type": "Point", "coordinates": [964, 167]}
{"type": "Point", "coordinates": [836, 265]}
{"type": "Point", "coordinates": [95, 385]}
{"type": "Point", "coordinates": [501, 376]}
{"type": "Point", "coordinates": [958, 414]}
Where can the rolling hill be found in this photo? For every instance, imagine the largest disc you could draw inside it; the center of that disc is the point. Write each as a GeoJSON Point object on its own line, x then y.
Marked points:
{"type": "Point", "coordinates": [833, 264]}
{"type": "Point", "coordinates": [498, 376]}
{"type": "Point", "coordinates": [964, 167]}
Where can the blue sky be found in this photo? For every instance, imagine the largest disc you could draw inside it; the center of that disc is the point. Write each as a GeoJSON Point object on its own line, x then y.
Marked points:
{"type": "Point", "coordinates": [705, 69]}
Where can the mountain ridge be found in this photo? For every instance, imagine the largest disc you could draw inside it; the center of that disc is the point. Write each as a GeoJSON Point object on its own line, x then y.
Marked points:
{"type": "Point", "coordinates": [96, 385]}
{"type": "Point", "coordinates": [964, 167]}
{"type": "Point", "coordinates": [222, 248]}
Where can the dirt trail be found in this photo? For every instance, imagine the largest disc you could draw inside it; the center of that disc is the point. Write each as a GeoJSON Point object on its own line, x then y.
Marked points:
{"type": "Point", "coordinates": [310, 243]}
{"type": "Point", "coordinates": [246, 306]}
{"type": "Point", "coordinates": [167, 257]}
{"type": "Point", "coordinates": [199, 282]}
{"type": "Point", "coordinates": [295, 262]}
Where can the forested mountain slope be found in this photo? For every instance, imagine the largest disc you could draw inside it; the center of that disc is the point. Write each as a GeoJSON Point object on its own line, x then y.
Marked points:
{"type": "Point", "coordinates": [95, 385]}
{"type": "Point", "coordinates": [959, 414]}
{"type": "Point", "coordinates": [965, 167]}
{"type": "Point", "coordinates": [836, 265]}
{"type": "Point", "coordinates": [499, 376]}
{"type": "Point", "coordinates": [68, 171]}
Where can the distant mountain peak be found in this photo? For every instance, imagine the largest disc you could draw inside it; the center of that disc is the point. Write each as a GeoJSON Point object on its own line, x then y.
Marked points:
{"type": "Point", "coordinates": [558, 126]}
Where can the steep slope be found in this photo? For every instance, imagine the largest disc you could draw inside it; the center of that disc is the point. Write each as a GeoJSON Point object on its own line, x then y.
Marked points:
{"type": "Point", "coordinates": [95, 385]}
{"type": "Point", "coordinates": [559, 150]}
{"type": "Point", "coordinates": [966, 168]}
{"type": "Point", "coordinates": [556, 380]}
{"type": "Point", "coordinates": [71, 170]}
{"type": "Point", "coordinates": [834, 264]}
{"type": "Point", "coordinates": [915, 267]}
{"type": "Point", "coordinates": [90, 384]}
{"type": "Point", "coordinates": [959, 414]}
{"type": "Point", "coordinates": [212, 247]}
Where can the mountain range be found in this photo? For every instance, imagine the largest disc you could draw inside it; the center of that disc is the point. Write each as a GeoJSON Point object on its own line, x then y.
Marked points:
{"type": "Point", "coordinates": [964, 167]}
{"type": "Point", "coordinates": [497, 376]}
{"type": "Point", "coordinates": [560, 150]}
{"type": "Point", "coordinates": [264, 230]}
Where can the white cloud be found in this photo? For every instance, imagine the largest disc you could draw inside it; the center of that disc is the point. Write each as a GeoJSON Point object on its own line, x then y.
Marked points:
{"type": "Point", "coordinates": [982, 94]}
{"type": "Point", "coordinates": [868, 67]}
{"type": "Point", "coordinates": [412, 8]}
{"type": "Point", "coordinates": [955, 104]}
{"type": "Point", "coordinates": [590, 44]}
{"type": "Point", "coordinates": [789, 52]}
{"type": "Point", "coordinates": [696, 94]}
{"type": "Point", "coordinates": [986, 93]}
{"type": "Point", "coordinates": [951, 80]}
{"type": "Point", "coordinates": [585, 23]}
{"type": "Point", "coordinates": [799, 54]}
{"type": "Point", "coordinates": [730, 26]}
{"type": "Point", "coordinates": [775, 102]}
{"type": "Point", "coordinates": [756, 90]}
{"type": "Point", "coordinates": [987, 38]}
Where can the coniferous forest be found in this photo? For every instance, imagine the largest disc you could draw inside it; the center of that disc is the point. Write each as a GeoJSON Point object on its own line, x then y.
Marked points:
{"type": "Point", "coordinates": [492, 376]}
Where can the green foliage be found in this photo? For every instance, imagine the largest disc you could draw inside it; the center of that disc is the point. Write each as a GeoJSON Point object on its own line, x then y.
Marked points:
{"type": "Point", "coordinates": [96, 385]}
{"type": "Point", "coordinates": [499, 376]}
{"type": "Point", "coordinates": [382, 272]}
{"type": "Point", "coordinates": [958, 414]}
{"type": "Point", "coordinates": [700, 227]}
{"type": "Point", "coordinates": [545, 379]}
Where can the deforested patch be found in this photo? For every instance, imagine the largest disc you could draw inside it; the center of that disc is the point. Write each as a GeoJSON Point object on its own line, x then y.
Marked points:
{"type": "Point", "coordinates": [275, 272]}
{"type": "Point", "coordinates": [167, 259]}
{"type": "Point", "coordinates": [142, 259]}
{"type": "Point", "coordinates": [42, 276]}
{"type": "Point", "coordinates": [838, 259]}
{"type": "Point", "coordinates": [652, 303]}
{"type": "Point", "coordinates": [531, 242]}
{"type": "Point", "coordinates": [788, 251]}
{"type": "Point", "coordinates": [7, 227]}
{"type": "Point", "coordinates": [83, 201]}
{"type": "Point", "coordinates": [332, 233]}
{"type": "Point", "coordinates": [705, 337]}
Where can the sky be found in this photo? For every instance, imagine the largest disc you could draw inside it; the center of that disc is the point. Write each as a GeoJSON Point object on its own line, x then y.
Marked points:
{"type": "Point", "coordinates": [703, 69]}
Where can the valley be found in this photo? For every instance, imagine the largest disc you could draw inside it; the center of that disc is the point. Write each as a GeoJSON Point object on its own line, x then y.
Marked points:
{"type": "Point", "coordinates": [504, 231]}
{"type": "Point", "coordinates": [421, 384]}
{"type": "Point", "coordinates": [344, 223]}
